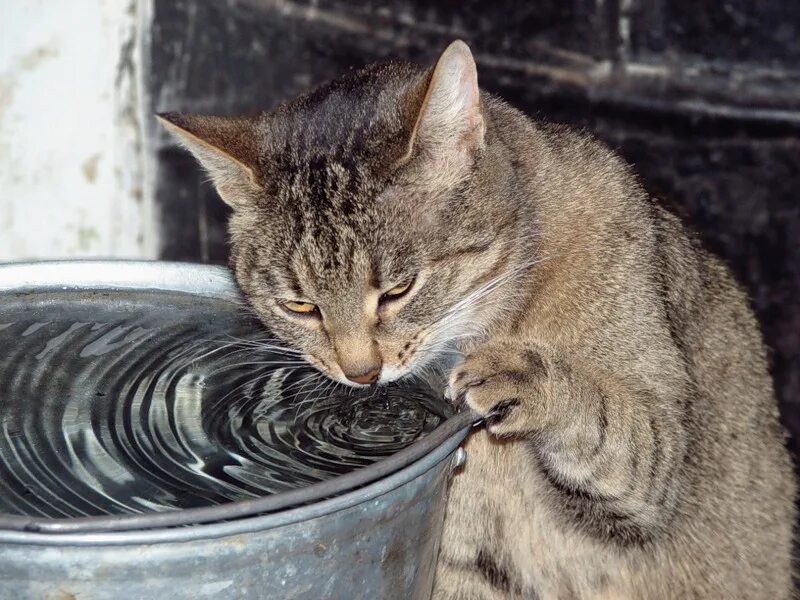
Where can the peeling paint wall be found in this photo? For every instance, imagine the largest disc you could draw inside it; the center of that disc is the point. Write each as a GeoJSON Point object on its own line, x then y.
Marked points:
{"type": "Point", "coordinates": [73, 170]}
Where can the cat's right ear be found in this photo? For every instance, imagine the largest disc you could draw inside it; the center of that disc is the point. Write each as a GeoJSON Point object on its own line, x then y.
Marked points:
{"type": "Point", "coordinates": [225, 147]}
{"type": "Point", "coordinates": [448, 122]}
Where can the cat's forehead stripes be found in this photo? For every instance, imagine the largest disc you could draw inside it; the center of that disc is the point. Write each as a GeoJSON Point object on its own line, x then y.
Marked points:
{"type": "Point", "coordinates": [353, 113]}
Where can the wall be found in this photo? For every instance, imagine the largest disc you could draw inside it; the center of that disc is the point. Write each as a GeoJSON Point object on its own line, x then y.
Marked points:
{"type": "Point", "coordinates": [73, 165]}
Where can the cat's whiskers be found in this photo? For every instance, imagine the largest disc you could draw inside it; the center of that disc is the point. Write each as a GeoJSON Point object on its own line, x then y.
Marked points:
{"type": "Point", "coordinates": [252, 382]}
{"type": "Point", "coordinates": [320, 383]}
{"type": "Point", "coordinates": [460, 322]}
{"type": "Point", "coordinates": [300, 384]}
{"type": "Point", "coordinates": [267, 344]}
{"type": "Point", "coordinates": [300, 390]}
{"type": "Point", "coordinates": [320, 392]}
{"type": "Point", "coordinates": [474, 299]}
{"type": "Point", "coordinates": [257, 363]}
{"type": "Point", "coordinates": [234, 346]}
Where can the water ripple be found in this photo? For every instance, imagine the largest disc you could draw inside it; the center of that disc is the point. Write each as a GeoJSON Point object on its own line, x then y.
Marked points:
{"type": "Point", "coordinates": [113, 403]}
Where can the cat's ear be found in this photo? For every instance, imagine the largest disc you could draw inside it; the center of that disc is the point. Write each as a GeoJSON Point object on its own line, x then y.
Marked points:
{"type": "Point", "coordinates": [225, 147]}
{"type": "Point", "coordinates": [450, 117]}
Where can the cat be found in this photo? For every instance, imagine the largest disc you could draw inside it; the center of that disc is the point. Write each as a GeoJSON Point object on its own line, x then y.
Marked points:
{"type": "Point", "coordinates": [632, 447]}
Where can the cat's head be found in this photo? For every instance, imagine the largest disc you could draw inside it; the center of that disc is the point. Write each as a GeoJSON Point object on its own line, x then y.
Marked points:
{"type": "Point", "coordinates": [365, 231]}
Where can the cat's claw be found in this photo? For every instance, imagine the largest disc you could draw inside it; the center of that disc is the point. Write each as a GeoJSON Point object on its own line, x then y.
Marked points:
{"type": "Point", "coordinates": [503, 384]}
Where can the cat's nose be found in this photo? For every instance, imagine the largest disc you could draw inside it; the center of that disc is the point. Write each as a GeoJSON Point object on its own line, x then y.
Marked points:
{"type": "Point", "coordinates": [365, 378]}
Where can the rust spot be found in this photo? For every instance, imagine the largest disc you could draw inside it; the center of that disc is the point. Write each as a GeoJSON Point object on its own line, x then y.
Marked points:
{"type": "Point", "coordinates": [89, 168]}
{"type": "Point", "coordinates": [394, 560]}
{"type": "Point", "coordinates": [38, 55]}
{"type": "Point", "coordinates": [238, 540]}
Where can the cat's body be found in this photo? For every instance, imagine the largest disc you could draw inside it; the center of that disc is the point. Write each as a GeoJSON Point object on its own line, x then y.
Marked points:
{"type": "Point", "coordinates": [632, 447]}
{"type": "Point", "coordinates": [664, 475]}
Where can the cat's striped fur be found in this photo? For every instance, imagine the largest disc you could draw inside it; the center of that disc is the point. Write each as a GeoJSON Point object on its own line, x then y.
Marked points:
{"type": "Point", "coordinates": [632, 446]}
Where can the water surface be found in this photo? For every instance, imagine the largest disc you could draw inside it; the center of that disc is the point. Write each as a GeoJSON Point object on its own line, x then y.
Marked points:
{"type": "Point", "coordinates": [115, 402]}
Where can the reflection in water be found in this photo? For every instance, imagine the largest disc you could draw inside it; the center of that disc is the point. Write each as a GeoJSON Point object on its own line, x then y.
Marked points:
{"type": "Point", "coordinates": [165, 401]}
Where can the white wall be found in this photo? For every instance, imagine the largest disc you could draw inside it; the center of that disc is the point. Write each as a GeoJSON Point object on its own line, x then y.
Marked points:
{"type": "Point", "coordinates": [73, 167]}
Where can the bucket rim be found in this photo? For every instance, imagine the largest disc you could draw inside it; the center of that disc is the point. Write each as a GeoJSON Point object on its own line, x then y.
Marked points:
{"type": "Point", "coordinates": [219, 520]}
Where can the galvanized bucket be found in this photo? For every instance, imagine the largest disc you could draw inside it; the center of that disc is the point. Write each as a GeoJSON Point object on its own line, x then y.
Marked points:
{"type": "Point", "coordinates": [370, 534]}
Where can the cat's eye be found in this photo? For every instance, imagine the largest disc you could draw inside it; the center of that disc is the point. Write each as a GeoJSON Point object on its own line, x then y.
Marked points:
{"type": "Point", "coordinates": [301, 308]}
{"type": "Point", "coordinates": [397, 291]}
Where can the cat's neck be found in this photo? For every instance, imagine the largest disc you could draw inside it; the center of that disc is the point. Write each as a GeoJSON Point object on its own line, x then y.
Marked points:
{"type": "Point", "coordinates": [585, 223]}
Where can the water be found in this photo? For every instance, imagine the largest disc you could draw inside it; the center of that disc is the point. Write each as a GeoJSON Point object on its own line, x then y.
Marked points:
{"type": "Point", "coordinates": [137, 402]}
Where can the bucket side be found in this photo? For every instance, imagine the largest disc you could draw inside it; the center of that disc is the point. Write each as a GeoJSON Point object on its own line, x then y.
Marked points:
{"type": "Point", "coordinates": [385, 547]}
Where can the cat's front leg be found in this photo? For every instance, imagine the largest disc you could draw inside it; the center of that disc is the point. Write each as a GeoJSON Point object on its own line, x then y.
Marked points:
{"type": "Point", "coordinates": [605, 445]}
{"type": "Point", "coordinates": [511, 385]}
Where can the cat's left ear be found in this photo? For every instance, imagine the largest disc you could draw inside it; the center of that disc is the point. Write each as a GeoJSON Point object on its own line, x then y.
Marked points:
{"type": "Point", "coordinates": [225, 147]}
{"type": "Point", "coordinates": [450, 118]}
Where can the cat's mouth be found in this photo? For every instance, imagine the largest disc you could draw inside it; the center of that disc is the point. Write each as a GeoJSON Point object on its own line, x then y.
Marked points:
{"type": "Point", "coordinates": [390, 373]}
{"type": "Point", "coordinates": [414, 362]}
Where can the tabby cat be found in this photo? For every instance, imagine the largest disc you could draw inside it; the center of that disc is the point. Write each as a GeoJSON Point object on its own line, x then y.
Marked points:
{"type": "Point", "coordinates": [398, 216]}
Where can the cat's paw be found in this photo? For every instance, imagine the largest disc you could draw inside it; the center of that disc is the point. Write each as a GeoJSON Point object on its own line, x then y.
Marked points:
{"type": "Point", "coordinates": [505, 384]}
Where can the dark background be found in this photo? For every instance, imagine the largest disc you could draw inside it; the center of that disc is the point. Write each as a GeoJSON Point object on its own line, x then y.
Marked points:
{"type": "Point", "coordinates": [702, 97]}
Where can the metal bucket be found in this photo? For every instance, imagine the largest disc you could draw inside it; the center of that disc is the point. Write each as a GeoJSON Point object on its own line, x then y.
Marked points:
{"type": "Point", "coordinates": [372, 533]}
